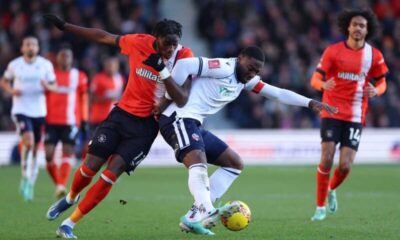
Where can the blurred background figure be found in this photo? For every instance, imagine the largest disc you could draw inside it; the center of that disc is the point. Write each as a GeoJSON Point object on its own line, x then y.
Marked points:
{"type": "Point", "coordinates": [66, 110]}
{"type": "Point", "coordinates": [26, 79]}
{"type": "Point", "coordinates": [105, 90]}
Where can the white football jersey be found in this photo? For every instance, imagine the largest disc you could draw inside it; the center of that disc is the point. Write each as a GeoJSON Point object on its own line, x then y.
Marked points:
{"type": "Point", "coordinates": [26, 77]}
{"type": "Point", "coordinates": [215, 86]}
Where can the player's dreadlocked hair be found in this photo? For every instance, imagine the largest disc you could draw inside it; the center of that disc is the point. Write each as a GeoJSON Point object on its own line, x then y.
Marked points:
{"type": "Point", "coordinates": [254, 52]}
{"type": "Point", "coordinates": [166, 27]}
{"type": "Point", "coordinates": [345, 17]}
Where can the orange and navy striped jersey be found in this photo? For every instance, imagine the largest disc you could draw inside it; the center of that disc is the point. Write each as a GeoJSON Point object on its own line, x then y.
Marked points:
{"type": "Point", "coordinates": [144, 86]}
{"type": "Point", "coordinates": [351, 69]}
{"type": "Point", "coordinates": [66, 106]}
{"type": "Point", "coordinates": [104, 85]}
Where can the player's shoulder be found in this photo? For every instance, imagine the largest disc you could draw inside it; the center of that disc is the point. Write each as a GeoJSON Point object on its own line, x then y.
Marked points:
{"type": "Point", "coordinates": [222, 67]}
{"type": "Point", "coordinates": [44, 61]}
{"type": "Point", "coordinates": [376, 52]}
{"type": "Point", "coordinates": [336, 46]}
{"type": "Point", "coordinates": [16, 61]}
{"type": "Point", "coordinates": [139, 37]}
{"type": "Point", "coordinates": [184, 52]}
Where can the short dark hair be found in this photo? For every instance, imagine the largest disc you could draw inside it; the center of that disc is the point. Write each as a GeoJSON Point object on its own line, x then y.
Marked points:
{"type": "Point", "coordinates": [345, 17]}
{"type": "Point", "coordinates": [254, 52]}
{"type": "Point", "coordinates": [167, 27]}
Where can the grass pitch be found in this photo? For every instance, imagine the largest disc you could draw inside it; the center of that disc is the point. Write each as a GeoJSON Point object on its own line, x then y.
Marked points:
{"type": "Point", "coordinates": [281, 200]}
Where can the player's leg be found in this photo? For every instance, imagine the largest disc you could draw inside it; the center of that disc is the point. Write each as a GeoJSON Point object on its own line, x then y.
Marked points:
{"type": "Point", "coordinates": [102, 145]}
{"type": "Point", "coordinates": [184, 136]}
{"type": "Point", "coordinates": [330, 134]}
{"type": "Point", "coordinates": [25, 129]}
{"type": "Point", "coordinates": [68, 149]}
{"type": "Point", "coordinates": [351, 135]}
{"type": "Point", "coordinates": [50, 143]}
{"type": "Point", "coordinates": [116, 166]}
{"type": "Point", "coordinates": [231, 165]}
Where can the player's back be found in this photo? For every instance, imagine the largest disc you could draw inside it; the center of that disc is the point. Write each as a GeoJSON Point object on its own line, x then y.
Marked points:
{"type": "Point", "coordinates": [144, 86]}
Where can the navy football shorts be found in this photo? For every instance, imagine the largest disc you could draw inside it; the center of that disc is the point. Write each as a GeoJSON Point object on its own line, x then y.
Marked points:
{"type": "Point", "coordinates": [346, 133]}
{"type": "Point", "coordinates": [186, 134]}
{"type": "Point", "coordinates": [65, 133]}
{"type": "Point", "coordinates": [124, 134]}
{"type": "Point", "coordinates": [30, 124]}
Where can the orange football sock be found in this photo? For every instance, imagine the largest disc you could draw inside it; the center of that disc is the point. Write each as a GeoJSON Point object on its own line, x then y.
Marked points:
{"type": "Point", "coordinates": [83, 176]}
{"type": "Point", "coordinates": [52, 170]}
{"type": "Point", "coordinates": [76, 215]}
{"type": "Point", "coordinates": [97, 192]}
{"type": "Point", "coordinates": [338, 178]}
{"type": "Point", "coordinates": [322, 185]}
{"type": "Point", "coordinates": [65, 170]}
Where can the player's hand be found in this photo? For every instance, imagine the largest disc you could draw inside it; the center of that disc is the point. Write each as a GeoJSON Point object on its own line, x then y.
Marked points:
{"type": "Point", "coordinates": [370, 90]}
{"type": "Point", "coordinates": [56, 21]}
{"type": "Point", "coordinates": [16, 92]}
{"type": "Point", "coordinates": [319, 106]}
{"type": "Point", "coordinates": [155, 61]}
{"type": "Point", "coordinates": [329, 85]}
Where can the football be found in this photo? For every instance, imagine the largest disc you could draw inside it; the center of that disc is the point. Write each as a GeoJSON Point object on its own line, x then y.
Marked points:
{"type": "Point", "coordinates": [240, 220]}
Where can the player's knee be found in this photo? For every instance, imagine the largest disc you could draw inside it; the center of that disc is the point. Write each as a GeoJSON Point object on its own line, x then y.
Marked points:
{"type": "Point", "coordinates": [117, 165]}
{"type": "Point", "coordinates": [94, 163]}
{"type": "Point", "coordinates": [345, 167]}
{"type": "Point", "coordinates": [236, 162]}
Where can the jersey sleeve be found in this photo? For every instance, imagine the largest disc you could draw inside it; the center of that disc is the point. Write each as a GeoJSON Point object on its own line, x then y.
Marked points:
{"type": "Point", "coordinates": [9, 73]}
{"type": "Point", "coordinates": [214, 68]}
{"type": "Point", "coordinates": [126, 43]}
{"type": "Point", "coordinates": [379, 67]}
{"type": "Point", "coordinates": [185, 53]}
{"type": "Point", "coordinates": [325, 62]}
{"type": "Point", "coordinates": [50, 76]}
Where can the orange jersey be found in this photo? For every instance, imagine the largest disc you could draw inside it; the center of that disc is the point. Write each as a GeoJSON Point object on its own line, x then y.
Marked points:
{"type": "Point", "coordinates": [107, 87]}
{"type": "Point", "coordinates": [144, 86]}
{"type": "Point", "coordinates": [65, 106]}
{"type": "Point", "coordinates": [351, 70]}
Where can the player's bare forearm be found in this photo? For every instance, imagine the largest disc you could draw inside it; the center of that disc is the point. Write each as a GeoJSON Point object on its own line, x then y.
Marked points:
{"type": "Point", "coordinates": [6, 86]}
{"type": "Point", "coordinates": [161, 106]}
{"type": "Point", "coordinates": [178, 94]}
{"type": "Point", "coordinates": [92, 34]}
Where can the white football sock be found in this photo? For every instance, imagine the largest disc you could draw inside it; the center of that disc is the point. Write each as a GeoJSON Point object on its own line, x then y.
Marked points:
{"type": "Point", "coordinates": [29, 165]}
{"type": "Point", "coordinates": [68, 222]}
{"type": "Point", "coordinates": [221, 180]}
{"type": "Point", "coordinates": [35, 170]}
{"type": "Point", "coordinates": [199, 186]}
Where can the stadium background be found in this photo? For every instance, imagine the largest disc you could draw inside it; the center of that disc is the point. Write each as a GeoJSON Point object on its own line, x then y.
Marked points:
{"type": "Point", "coordinates": [293, 35]}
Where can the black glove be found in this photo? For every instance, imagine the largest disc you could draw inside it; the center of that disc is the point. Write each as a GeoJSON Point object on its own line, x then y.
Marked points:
{"type": "Point", "coordinates": [56, 21]}
{"type": "Point", "coordinates": [155, 61]}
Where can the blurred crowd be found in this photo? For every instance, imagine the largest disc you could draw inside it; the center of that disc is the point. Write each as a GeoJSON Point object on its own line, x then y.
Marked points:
{"type": "Point", "coordinates": [293, 35]}
{"type": "Point", "coordinates": [19, 18]}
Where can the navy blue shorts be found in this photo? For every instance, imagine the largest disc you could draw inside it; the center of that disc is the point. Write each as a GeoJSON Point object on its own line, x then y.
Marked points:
{"type": "Point", "coordinates": [124, 134]}
{"type": "Point", "coordinates": [186, 134]}
{"type": "Point", "coordinates": [30, 124]}
{"type": "Point", "coordinates": [65, 133]}
{"type": "Point", "coordinates": [346, 133]}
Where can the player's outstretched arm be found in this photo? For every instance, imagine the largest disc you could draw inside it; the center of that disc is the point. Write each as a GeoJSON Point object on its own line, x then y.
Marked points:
{"type": "Point", "coordinates": [287, 97]}
{"type": "Point", "coordinates": [92, 34]}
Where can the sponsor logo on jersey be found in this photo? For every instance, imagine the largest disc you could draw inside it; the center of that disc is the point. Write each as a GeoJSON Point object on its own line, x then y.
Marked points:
{"type": "Point", "coordinates": [226, 92]}
{"type": "Point", "coordinates": [148, 74]}
{"type": "Point", "coordinates": [102, 138]}
{"type": "Point", "coordinates": [352, 76]}
{"type": "Point", "coordinates": [214, 64]}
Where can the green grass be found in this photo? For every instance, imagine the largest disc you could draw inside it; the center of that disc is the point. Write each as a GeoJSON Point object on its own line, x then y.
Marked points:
{"type": "Point", "coordinates": [281, 200]}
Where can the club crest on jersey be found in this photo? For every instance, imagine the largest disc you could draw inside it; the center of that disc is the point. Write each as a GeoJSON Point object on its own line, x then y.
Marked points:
{"type": "Point", "coordinates": [213, 64]}
{"type": "Point", "coordinates": [148, 74]}
{"type": "Point", "coordinates": [195, 137]}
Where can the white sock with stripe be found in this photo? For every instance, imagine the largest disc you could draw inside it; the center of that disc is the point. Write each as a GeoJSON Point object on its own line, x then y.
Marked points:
{"type": "Point", "coordinates": [199, 186]}
{"type": "Point", "coordinates": [221, 180]}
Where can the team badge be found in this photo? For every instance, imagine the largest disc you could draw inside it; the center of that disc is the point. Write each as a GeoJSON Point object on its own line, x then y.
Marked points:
{"type": "Point", "coordinates": [102, 138]}
{"type": "Point", "coordinates": [195, 137]}
{"type": "Point", "coordinates": [329, 133]}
